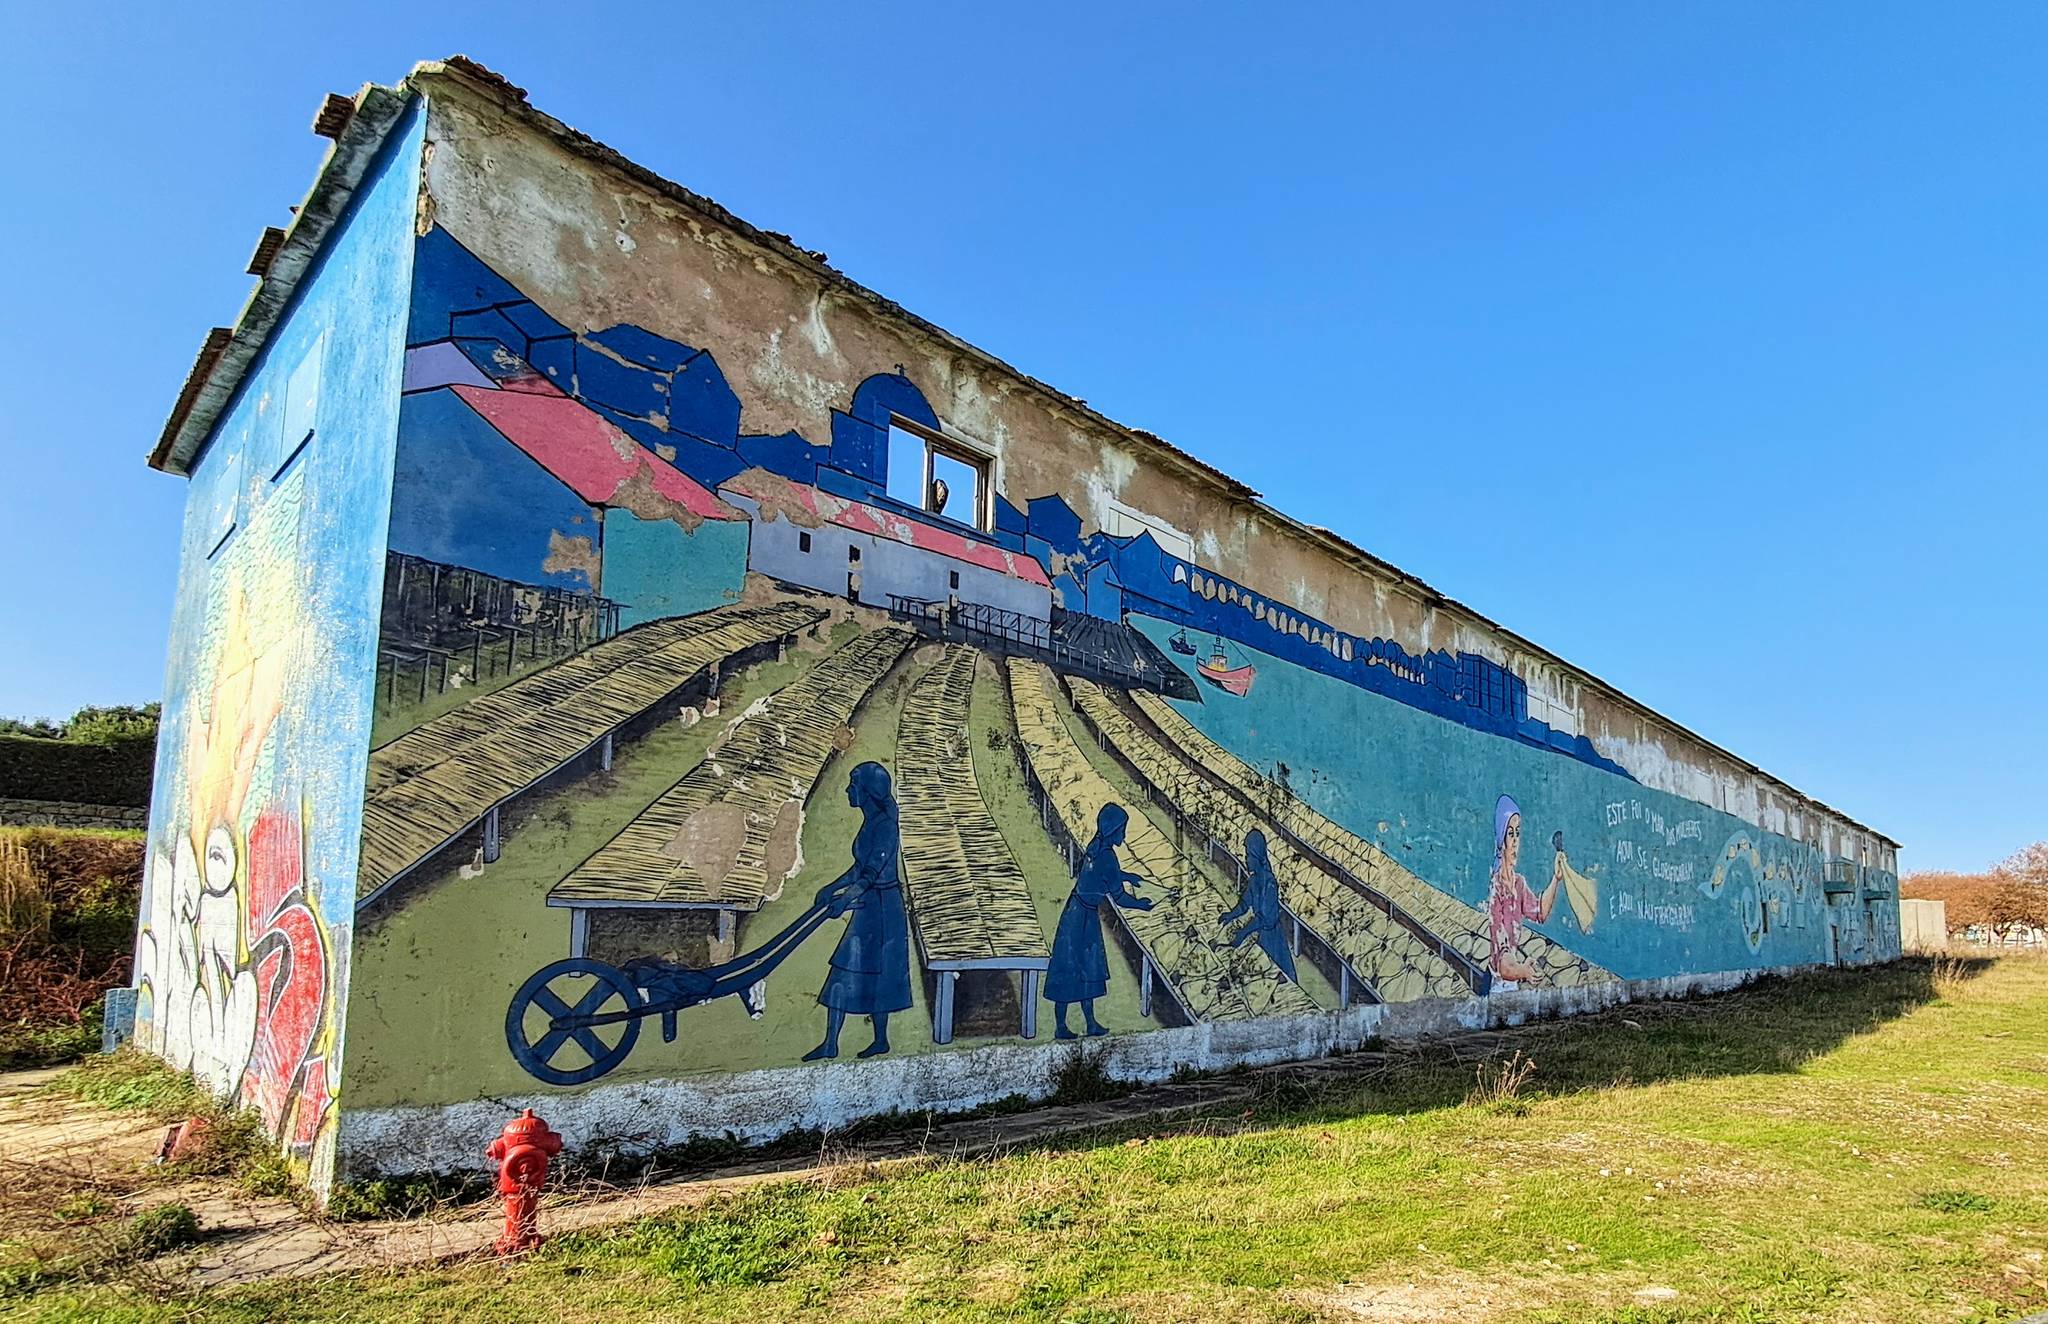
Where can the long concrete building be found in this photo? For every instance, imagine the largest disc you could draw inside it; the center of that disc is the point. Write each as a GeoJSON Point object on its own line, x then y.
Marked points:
{"type": "Point", "coordinates": [622, 666]}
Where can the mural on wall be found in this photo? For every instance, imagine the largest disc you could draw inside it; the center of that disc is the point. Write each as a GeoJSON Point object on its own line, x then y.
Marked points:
{"type": "Point", "coordinates": [232, 960]}
{"type": "Point", "coordinates": [755, 736]}
{"type": "Point", "coordinates": [242, 953]}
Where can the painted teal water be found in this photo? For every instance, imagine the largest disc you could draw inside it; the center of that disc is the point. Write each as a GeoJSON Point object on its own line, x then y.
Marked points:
{"type": "Point", "coordinates": [1682, 888]}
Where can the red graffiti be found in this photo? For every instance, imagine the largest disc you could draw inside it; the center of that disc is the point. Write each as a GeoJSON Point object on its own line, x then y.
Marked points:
{"type": "Point", "coordinates": [277, 866]}
{"type": "Point", "coordinates": [313, 1101]}
{"type": "Point", "coordinates": [291, 981]}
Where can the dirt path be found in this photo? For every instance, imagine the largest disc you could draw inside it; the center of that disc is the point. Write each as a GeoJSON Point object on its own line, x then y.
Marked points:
{"type": "Point", "coordinates": [250, 1239]}
{"type": "Point", "coordinates": [46, 1137]}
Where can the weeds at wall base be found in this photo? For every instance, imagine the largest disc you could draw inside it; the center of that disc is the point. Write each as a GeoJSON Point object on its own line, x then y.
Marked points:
{"type": "Point", "coordinates": [130, 1080]}
{"type": "Point", "coordinates": [403, 1197]}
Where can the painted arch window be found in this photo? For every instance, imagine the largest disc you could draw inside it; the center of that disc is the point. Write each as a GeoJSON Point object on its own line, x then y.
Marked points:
{"type": "Point", "coordinates": [939, 474]}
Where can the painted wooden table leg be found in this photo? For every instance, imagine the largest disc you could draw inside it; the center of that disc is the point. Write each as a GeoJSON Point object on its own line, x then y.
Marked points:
{"type": "Point", "coordinates": [604, 753]}
{"type": "Point", "coordinates": [1029, 1018]}
{"type": "Point", "coordinates": [942, 1015]}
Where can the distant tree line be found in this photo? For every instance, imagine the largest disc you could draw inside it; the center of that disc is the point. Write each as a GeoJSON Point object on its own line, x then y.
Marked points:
{"type": "Point", "coordinates": [2008, 901]}
{"type": "Point", "coordinates": [94, 725]}
{"type": "Point", "coordinates": [100, 755]}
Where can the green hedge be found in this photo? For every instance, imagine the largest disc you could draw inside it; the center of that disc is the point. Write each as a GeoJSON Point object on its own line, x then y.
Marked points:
{"type": "Point", "coordinates": [114, 773]}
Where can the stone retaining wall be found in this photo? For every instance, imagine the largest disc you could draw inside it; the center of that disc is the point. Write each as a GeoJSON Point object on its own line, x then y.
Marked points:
{"type": "Point", "coordinates": [69, 814]}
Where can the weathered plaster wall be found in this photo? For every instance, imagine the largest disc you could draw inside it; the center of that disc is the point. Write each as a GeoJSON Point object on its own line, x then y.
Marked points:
{"type": "Point", "coordinates": [699, 745]}
{"type": "Point", "coordinates": [242, 961]}
{"type": "Point", "coordinates": [795, 344]}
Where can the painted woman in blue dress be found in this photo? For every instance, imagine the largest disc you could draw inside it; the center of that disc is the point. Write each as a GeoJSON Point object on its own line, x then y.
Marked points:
{"type": "Point", "coordinates": [870, 973]}
{"type": "Point", "coordinates": [1079, 971]}
{"type": "Point", "coordinates": [1261, 901]}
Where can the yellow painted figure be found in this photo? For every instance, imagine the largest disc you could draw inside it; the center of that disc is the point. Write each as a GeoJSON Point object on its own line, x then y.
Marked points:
{"type": "Point", "coordinates": [1581, 893]}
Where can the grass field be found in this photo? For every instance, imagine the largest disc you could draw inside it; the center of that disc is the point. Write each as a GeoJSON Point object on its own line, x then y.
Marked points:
{"type": "Point", "coordinates": [1831, 1147]}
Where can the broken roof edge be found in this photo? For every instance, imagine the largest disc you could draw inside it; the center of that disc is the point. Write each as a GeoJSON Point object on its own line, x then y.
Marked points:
{"type": "Point", "coordinates": [227, 355]}
{"type": "Point", "coordinates": [350, 156]}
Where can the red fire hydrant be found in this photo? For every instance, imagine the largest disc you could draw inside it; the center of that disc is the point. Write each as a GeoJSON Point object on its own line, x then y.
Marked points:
{"type": "Point", "coordinates": [522, 1153]}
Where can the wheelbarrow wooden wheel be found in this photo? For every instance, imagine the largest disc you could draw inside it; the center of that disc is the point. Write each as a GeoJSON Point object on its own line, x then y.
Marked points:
{"type": "Point", "coordinates": [569, 990]}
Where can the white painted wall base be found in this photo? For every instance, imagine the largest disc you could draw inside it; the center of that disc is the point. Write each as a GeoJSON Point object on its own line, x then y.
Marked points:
{"type": "Point", "coordinates": [759, 1106]}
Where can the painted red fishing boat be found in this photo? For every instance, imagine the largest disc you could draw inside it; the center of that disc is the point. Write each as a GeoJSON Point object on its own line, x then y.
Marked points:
{"type": "Point", "coordinates": [1230, 679]}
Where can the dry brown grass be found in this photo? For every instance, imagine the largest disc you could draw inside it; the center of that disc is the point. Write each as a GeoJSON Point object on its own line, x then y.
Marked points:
{"type": "Point", "coordinates": [1496, 1082]}
{"type": "Point", "coordinates": [1952, 975]}
{"type": "Point", "coordinates": [24, 901]}
{"type": "Point", "coordinates": [67, 922]}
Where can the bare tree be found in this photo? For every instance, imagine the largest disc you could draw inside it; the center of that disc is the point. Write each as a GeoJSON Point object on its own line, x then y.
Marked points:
{"type": "Point", "coordinates": [2029, 865]}
{"type": "Point", "coordinates": [2019, 895]}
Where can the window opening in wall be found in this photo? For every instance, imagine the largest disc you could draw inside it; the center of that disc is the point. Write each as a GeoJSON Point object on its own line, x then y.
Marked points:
{"type": "Point", "coordinates": [852, 554]}
{"type": "Point", "coordinates": [803, 542]}
{"type": "Point", "coordinates": [956, 488]}
{"type": "Point", "coordinates": [943, 477]}
{"type": "Point", "coordinates": [953, 580]}
{"type": "Point", "coordinates": [906, 465]}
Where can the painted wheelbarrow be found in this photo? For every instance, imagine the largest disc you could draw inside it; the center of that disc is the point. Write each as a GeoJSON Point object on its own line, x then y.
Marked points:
{"type": "Point", "coordinates": [588, 1013]}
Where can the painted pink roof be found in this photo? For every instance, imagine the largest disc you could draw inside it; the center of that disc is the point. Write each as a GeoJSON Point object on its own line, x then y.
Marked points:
{"type": "Point", "coordinates": [864, 518]}
{"type": "Point", "coordinates": [585, 451]}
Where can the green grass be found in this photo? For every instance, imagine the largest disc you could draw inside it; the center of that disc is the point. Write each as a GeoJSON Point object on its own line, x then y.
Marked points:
{"type": "Point", "coordinates": [1832, 1147]}
{"type": "Point", "coordinates": [130, 1080]}
{"type": "Point", "coordinates": [107, 834]}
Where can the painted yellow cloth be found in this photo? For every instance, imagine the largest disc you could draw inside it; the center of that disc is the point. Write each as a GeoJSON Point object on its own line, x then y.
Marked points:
{"type": "Point", "coordinates": [1581, 892]}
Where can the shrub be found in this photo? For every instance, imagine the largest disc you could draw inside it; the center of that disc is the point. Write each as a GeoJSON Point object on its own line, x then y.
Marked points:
{"type": "Point", "coordinates": [269, 1174]}
{"type": "Point", "coordinates": [1080, 1078]}
{"type": "Point", "coordinates": [68, 904]}
{"type": "Point", "coordinates": [161, 1228]}
{"type": "Point", "coordinates": [112, 772]}
{"type": "Point", "coordinates": [227, 1144]}
{"type": "Point", "coordinates": [402, 1197]}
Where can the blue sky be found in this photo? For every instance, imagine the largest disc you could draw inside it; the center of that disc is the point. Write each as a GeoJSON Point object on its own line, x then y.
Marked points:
{"type": "Point", "coordinates": [1705, 344]}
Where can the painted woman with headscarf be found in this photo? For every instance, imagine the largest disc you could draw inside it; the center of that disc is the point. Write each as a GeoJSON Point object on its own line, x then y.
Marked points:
{"type": "Point", "coordinates": [1510, 900]}
{"type": "Point", "coordinates": [1261, 901]}
{"type": "Point", "coordinates": [1079, 970]}
{"type": "Point", "coordinates": [870, 973]}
